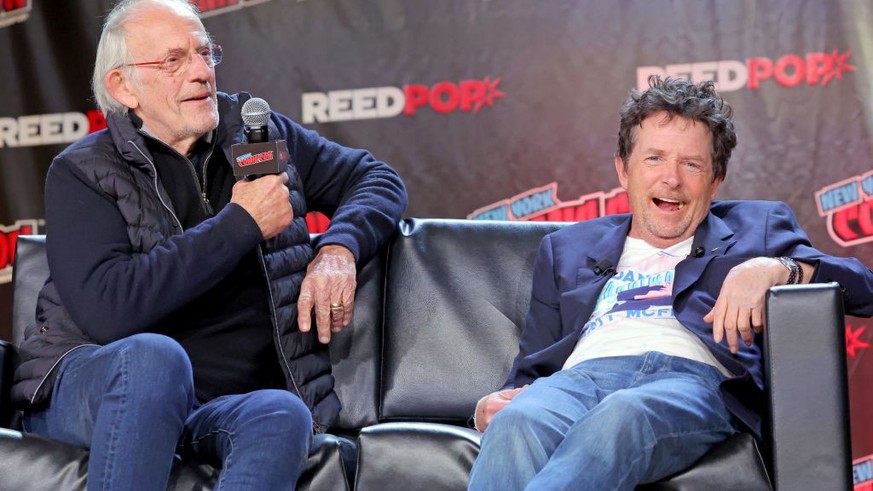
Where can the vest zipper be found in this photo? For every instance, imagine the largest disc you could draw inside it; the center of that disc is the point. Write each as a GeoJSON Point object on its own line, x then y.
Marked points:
{"type": "Point", "coordinates": [155, 182]}
{"type": "Point", "coordinates": [276, 337]}
{"type": "Point", "coordinates": [209, 210]}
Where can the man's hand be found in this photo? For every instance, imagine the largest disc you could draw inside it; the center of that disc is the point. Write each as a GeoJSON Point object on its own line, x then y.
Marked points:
{"type": "Point", "coordinates": [488, 406]}
{"type": "Point", "coordinates": [266, 200]}
{"type": "Point", "coordinates": [739, 309]}
{"type": "Point", "coordinates": [329, 288]}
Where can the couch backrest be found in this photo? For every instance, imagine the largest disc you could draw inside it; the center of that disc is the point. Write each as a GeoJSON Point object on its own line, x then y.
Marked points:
{"type": "Point", "coordinates": [455, 297]}
{"type": "Point", "coordinates": [438, 313]}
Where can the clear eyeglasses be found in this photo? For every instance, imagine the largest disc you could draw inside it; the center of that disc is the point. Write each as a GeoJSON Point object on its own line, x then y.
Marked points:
{"type": "Point", "coordinates": [177, 60]}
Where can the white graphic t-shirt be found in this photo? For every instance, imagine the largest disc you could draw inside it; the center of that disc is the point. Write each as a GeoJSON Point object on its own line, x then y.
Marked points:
{"type": "Point", "coordinates": [634, 312]}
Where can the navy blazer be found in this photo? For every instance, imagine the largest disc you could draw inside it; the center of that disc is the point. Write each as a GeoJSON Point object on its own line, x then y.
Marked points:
{"type": "Point", "coordinates": [567, 282]}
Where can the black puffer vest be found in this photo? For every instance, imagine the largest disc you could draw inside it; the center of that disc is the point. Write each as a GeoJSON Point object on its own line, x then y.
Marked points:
{"type": "Point", "coordinates": [119, 164]}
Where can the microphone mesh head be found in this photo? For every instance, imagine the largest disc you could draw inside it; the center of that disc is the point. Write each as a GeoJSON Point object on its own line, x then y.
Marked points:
{"type": "Point", "coordinates": [255, 112]}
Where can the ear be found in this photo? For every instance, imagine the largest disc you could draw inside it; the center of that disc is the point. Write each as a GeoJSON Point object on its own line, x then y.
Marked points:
{"type": "Point", "coordinates": [121, 89]}
{"type": "Point", "coordinates": [715, 185]}
{"type": "Point", "coordinates": [621, 171]}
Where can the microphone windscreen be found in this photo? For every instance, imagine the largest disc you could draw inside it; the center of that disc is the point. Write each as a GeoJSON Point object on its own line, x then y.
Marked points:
{"type": "Point", "coordinates": [255, 112]}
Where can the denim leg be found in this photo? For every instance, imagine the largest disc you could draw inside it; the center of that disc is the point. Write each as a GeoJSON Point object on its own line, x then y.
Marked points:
{"type": "Point", "coordinates": [522, 436]}
{"type": "Point", "coordinates": [662, 423]}
{"type": "Point", "coordinates": [260, 440]}
{"type": "Point", "coordinates": [126, 401]}
{"type": "Point", "coordinates": [609, 423]}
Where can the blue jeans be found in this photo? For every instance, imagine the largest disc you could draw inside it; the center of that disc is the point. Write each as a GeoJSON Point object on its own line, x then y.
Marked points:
{"type": "Point", "coordinates": [132, 403]}
{"type": "Point", "coordinates": [609, 423]}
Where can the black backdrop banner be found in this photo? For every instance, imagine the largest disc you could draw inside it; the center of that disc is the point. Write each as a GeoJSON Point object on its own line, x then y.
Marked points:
{"type": "Point", "coordinates": [499, 109]}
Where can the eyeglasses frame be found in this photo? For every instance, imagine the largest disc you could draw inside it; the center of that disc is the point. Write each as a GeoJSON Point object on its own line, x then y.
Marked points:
{"type": "Point", "coordinates": [215, 55]}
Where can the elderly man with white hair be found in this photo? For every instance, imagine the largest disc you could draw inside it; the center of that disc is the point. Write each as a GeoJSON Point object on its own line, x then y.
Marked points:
{"type": "Point", "coordinates": [187, 311]}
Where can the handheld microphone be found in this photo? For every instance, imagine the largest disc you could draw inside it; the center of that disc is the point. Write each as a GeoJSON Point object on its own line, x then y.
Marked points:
{"type": "Point", "coordinates": [255, 114]}
{"type": "Point", "coordinates": [259, 156]}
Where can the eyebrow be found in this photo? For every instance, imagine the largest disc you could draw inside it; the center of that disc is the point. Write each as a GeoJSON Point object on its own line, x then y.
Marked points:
{"type": "Point", "coordinates": [178, 49]}
{"type": "Point", "coordinates": [658, 151]}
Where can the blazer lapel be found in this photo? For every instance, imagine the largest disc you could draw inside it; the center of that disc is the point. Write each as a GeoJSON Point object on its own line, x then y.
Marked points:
{"type": "Point", "coordinates": [715, 238]}
{"type": "Point", "coordinates": [578, 304]}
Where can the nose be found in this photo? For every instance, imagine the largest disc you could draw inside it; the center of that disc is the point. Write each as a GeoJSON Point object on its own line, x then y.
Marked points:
{"type": "Point", "coordinates": [670, 176]}
{"type": "Point", "coordinates": [198, 68]}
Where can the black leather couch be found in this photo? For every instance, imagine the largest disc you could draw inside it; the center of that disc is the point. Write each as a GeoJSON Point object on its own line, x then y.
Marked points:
{"type": "Point", "coordinates": [437, 317]}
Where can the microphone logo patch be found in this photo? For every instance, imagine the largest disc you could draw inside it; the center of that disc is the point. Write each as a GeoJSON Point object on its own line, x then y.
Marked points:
{"type": "Point", "coordinates": [247, 159]}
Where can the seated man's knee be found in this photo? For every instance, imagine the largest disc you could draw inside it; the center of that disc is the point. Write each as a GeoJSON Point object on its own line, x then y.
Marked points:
{"type": "Point", "coordinates": [279, 410]}
{"type": "Point", "coordinates": [276, 418]}
{"type": "Point", "coordinates": [159, 353]}
{"type": "Point", "coordinates": [157, 362]}
{"type": "Point", "coordinates": [514, 417]}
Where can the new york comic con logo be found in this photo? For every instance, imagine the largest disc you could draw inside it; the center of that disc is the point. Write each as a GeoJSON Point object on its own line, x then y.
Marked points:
{"type": "Point", "coordinates": [13, 11]}
{"type": "Point", "coordinates": [542, 204]}
{"type": "Point", "coordinates": [248, 159]}
{"type": "Point", "coordinates": [848, 208]}
{"type": "Point", "coordinates": [8, 239]}
{"type": "Point", "coordinates": [387, 102]}
{"type": "Point", "coordinates": [862, 473]}
{"type": "Point", "coordinates": [789, 70]}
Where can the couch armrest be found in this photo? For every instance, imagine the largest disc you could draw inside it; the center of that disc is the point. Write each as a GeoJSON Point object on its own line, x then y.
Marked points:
{"type": "Point", "coordinates": [8, 362]}
{"type": "Point", "coordinates": [807, 385]}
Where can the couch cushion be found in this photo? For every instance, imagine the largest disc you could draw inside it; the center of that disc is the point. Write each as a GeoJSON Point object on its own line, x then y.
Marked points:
{"type": "Point", "coordinates": [415, 457]}
{"type": "Point", "coordinates": [457, 293]}
{"type": "Point", "coordinates": [34, 463]}
{"type": "Point", "coordinates": [732, 465]}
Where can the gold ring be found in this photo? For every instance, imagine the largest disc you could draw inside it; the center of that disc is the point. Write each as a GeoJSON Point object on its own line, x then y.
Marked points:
{"type": "Point", "coordinates": [336, 306]}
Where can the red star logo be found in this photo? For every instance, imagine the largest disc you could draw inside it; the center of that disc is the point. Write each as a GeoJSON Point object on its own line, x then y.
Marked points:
{"type": "Point", "coordinates": [853, 340]}
{"type": "Point", "coordinates": [839, 66]}
{"type": "Point", "coordinates": [491, 93]}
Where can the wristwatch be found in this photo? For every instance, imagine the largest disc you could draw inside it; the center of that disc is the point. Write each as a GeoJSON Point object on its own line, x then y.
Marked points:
{"type": "Point", "coordinates": [795, 272]}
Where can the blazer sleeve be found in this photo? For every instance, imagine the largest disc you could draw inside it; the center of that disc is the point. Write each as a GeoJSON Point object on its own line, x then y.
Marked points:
{"type": "Point", "coordinates": [785, 237]}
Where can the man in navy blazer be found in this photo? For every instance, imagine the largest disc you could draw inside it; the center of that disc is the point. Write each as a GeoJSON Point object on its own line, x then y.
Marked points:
{"type": "Point", "coordinates": [639, 352]}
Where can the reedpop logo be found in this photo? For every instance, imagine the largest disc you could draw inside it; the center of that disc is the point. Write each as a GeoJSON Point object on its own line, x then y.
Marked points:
{"type": "Point", "coordinates": [387, 102]}
{"type": "Point", "coordinates": [49, 129]}
{"type": "Point", "coordinates": [789, 70]}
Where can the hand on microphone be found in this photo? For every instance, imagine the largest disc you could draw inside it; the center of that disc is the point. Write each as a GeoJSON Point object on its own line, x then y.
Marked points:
{"type": "Point", "coordinates": [266, 200]}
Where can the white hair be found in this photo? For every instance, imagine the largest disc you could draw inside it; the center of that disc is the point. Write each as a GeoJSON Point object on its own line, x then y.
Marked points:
{"type": "Point", "coordinates": [112, 49]}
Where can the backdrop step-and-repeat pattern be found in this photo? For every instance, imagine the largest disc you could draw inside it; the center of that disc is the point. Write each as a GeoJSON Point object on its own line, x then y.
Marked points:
{"type": "Point", "coordinates": [500, 109]}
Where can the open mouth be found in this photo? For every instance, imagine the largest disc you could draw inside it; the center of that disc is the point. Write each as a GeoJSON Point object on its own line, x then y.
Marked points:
{"type": "Point", "coordinates": [668, 204]}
